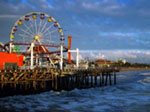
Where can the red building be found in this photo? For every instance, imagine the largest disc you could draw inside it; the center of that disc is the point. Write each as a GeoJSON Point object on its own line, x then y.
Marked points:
{"type": "Point", "coordinates": [10, 59]}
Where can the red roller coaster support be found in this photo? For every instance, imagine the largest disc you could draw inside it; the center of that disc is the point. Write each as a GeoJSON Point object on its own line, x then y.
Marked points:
{"type": "Point", "coordinates": [69, 48]}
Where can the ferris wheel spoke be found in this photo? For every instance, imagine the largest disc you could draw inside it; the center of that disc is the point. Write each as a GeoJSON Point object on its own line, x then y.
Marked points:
{"type": "Point", "coordinates": [55, 36]}
{"type": "Point", "coordinates": [31, 24]}
{"type": "Point", "coordinates": [50, 32]}
{"type": "Point", "coordinates": [25, 37]}
{"type": "Point", "coordinates": [48, 28]}
{"type": "Point", "coordinates": [21, 39]}
{"type": "Point", "coordinates": [39, 26]}
{"type": "Point", "coordinates": [52, 41]}
{"type": "Point", "coordinates": [22, 35]}
{"type": "Point", "coordinates": [43, 26]}
{"type": "Point", "coordinates": [50, 37]}
{"type": "Point", "coordinates": [25, 31]}
{"type": "Point", "coordinates": [35, 26]}
{"type": "Point", "coordinates": [28, 28]}
{"type": "Point", "coordinates": [48, 41]}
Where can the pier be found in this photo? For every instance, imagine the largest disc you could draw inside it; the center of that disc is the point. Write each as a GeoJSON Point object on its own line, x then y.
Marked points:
{"type": "Point", "coordinates": [34, 81]}
{"type": "Point", "coordinates": [42, 52]}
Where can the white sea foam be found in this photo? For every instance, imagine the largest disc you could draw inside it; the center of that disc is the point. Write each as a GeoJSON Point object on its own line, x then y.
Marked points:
{"type": "Point", "coordinates": [145, 81]}
{"type": "Point", "coordinates": [146, 74]}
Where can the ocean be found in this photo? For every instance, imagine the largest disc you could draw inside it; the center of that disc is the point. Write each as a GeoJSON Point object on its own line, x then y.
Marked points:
{"type": "Point", "coordinates": [131, 94]}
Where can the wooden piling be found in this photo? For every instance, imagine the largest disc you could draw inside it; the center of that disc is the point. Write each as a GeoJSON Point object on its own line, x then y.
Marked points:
{"type": "Point", "coordinates": [34, 79]}
{"type": "Point", "coordinates": [96, 80]}
{"type": "Point", "coordinates": [106, 77]}
{"type": "Point", "coordinates": [2, 80]}
{"type": "Point", "coordinates": [53, 79]}
{"type": "Point", "coordinates": [91, 80]}
{"type": "Point", "coordinates": [87, 81]}
{"type": "Point", "coordinates": [103, 78]}
{"type": "Point", "coordinates": [100, 79]}
{"type": "Point", "coordinates": [115, 78]}
{"type": "Point", "coordinates": [56, 82]}
{"type": "Point", "coordinates": [110, 79]}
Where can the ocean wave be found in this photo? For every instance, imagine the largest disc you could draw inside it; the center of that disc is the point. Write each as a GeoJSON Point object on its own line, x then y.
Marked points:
{"type": "Point", "coordinates": [145, 81]}
{"type": "Point", "coordinates": [123, 97]}
{"type": "Point", "coordinates": [146, 74]}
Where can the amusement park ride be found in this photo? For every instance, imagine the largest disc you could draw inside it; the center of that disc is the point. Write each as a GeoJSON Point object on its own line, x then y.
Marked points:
{"type": "Point", "coordinates": [36, 39]}
{"type": "Point", "coordinates": [33, 60]}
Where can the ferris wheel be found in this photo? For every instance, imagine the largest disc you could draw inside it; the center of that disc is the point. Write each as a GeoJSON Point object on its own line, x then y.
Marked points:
{"type": "Point", "coordinates": [38, 30]}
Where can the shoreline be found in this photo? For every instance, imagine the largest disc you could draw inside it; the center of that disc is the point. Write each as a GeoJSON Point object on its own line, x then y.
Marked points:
{"type": "Point", "coordinates": [134, 68]}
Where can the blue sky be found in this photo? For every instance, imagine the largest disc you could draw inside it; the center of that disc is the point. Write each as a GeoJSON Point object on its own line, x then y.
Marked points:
{"type": "Point", "coordinates": [95, 25]}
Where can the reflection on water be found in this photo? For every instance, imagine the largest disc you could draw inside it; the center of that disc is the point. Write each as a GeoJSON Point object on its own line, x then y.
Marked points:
{"type": "Point", "coordinates": [131, 94]}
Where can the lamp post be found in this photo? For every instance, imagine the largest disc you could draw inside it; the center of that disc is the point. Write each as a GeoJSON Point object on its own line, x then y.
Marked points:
{"type": "Point", "coordinates": [32, 57]}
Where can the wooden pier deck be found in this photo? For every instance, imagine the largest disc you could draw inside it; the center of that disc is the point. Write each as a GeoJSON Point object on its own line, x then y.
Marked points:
{"type": "Point", "coordinates": [38, 80]}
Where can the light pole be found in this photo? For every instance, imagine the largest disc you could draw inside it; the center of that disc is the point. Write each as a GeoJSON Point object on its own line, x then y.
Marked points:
{"type": "Point", "coordinates": [32, 57]}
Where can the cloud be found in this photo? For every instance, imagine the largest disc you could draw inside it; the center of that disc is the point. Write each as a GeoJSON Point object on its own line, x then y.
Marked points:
{"type": "Point", "coordinates": [120, 34]}
{"type": "Point", "coordinates": [96, 56]}
{"type": "Point", "coordinates": [10, 16]}
{"type": "Point", "coordinates": [96, 24]}
{"type": "Point", "coordinates": [133, 56]}
{"type": "Point", "coordinates": [110, 7]}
